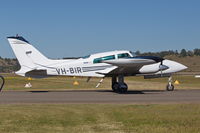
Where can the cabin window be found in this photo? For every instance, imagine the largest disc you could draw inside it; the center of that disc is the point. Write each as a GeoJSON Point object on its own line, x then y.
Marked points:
{"type": "Point", "coordinates": [124, 55]}
{"type": "Point", "coordinates": [99, 60]}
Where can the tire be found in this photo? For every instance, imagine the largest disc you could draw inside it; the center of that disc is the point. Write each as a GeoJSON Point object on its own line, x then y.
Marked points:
{"type": "Point", "coordinates": [119, 88]}
{"type": "Point", "coordinates": [126, 88]}
{"type": "Point", "coordinates": [115, 87]}
{"type": "Point", "coordinates": [123, 88]}
{"type": "Point", "coordinates": [170, 87]}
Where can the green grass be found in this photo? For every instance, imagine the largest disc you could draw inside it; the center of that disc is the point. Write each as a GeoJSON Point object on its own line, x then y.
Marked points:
{"type": "Point", "coordinates": [100, 118]}
{"type": "Point", "coordinates": [84, 118]}
{"type": "Point", "coordinates": [14, 82]}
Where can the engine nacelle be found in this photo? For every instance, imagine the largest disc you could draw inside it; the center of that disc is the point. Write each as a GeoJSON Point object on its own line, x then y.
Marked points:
{"type": "Point", "coordinates": [153, 68]}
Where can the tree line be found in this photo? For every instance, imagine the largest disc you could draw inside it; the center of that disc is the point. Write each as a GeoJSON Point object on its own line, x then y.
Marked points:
{"type": "Point", "coordinates": [9, 65]}
{"type": "Point", "coordinates": [182, 53]}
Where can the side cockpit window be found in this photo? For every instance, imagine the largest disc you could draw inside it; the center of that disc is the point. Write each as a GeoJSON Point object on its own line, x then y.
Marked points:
{"type": "Point", "coordinates": [99, 60]}
{"type": "Point", "coordinates": [124, 55]}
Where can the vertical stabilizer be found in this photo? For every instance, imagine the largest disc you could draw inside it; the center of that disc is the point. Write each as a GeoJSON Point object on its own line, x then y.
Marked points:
{"type": "Point", "coordinates": [28, 56]}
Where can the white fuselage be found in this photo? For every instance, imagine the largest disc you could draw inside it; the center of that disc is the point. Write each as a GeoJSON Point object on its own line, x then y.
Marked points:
{"type": "Point", "coordinates": [89, 68]}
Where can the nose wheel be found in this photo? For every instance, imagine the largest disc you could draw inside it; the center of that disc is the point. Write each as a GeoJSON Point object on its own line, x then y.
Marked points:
{"type": "Point", "coordinates": [170, 86]}
{"type": "Point", "coordinates": [120, 86]}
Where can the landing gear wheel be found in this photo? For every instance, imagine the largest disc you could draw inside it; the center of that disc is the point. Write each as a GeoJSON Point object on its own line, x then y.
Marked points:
{"type": "Point", "coordinates": [120, 88]}
{"type": "Point", "coordinates": [123, 88]}
{"type": "Point", "coordinates": [170, 87]}
{"type": "Point", "coordinates": [115, 87]}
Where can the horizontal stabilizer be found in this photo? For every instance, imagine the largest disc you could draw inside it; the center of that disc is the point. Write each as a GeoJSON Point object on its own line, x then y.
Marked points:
{"type": "Point", "coordinates": [37, 74]}
{"type": "Point", "coordinates": [23, 70]}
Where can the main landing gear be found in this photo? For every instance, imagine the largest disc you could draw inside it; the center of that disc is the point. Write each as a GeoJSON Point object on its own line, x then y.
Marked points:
{"type": "Point", "coordinates": [120, 86]}
{"type": "Point", "coordinates": [170, 86]}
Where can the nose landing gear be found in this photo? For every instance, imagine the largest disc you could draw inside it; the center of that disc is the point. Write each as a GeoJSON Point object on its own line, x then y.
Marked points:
{"type": "Point", "coordinates": [2, 82]}
{"type": "Point", "coordinates": [170, 86]}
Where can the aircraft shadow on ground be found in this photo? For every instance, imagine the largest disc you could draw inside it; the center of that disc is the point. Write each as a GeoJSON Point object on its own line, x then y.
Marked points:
{"type": "Point", "coordinates": [108, 91]}
{"type": "Point", "coordinates": [138, 91]}
{"type": "Point", "coordinates": [38, 91]}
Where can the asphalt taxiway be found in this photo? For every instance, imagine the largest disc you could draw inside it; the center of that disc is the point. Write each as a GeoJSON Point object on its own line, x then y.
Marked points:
{"type": "Point", "coordinates": [100, 96]}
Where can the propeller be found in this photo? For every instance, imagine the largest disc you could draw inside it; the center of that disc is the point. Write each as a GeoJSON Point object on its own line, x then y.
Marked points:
{"type": "Point", "coordinates": [162, 67]}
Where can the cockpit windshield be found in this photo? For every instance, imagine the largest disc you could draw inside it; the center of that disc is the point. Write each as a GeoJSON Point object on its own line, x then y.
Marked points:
{"type": "Point", "coordinates": [123, 55]}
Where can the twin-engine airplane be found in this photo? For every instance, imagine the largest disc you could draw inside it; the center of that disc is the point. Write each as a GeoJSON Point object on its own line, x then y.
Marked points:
{"type": "Point", "coordinates": [115, 64]}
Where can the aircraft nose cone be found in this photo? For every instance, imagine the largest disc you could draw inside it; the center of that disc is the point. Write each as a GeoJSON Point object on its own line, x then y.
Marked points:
{"type": "Point", "coordinates": [182, 67]}
{"type": "Point", "coordinates": [173, 66]}
{"type": "Point", "coordinates": [177, 66]}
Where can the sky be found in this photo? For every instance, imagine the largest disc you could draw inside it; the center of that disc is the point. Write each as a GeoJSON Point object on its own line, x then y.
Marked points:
{"type": "Point", "coordinates": [68, 28]}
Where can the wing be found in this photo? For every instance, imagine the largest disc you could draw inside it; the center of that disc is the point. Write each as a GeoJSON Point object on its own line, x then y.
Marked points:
{"type": "Point", "coordinates": [134, 61]}
{"type": "Point", "coordinates": [130, 66]}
